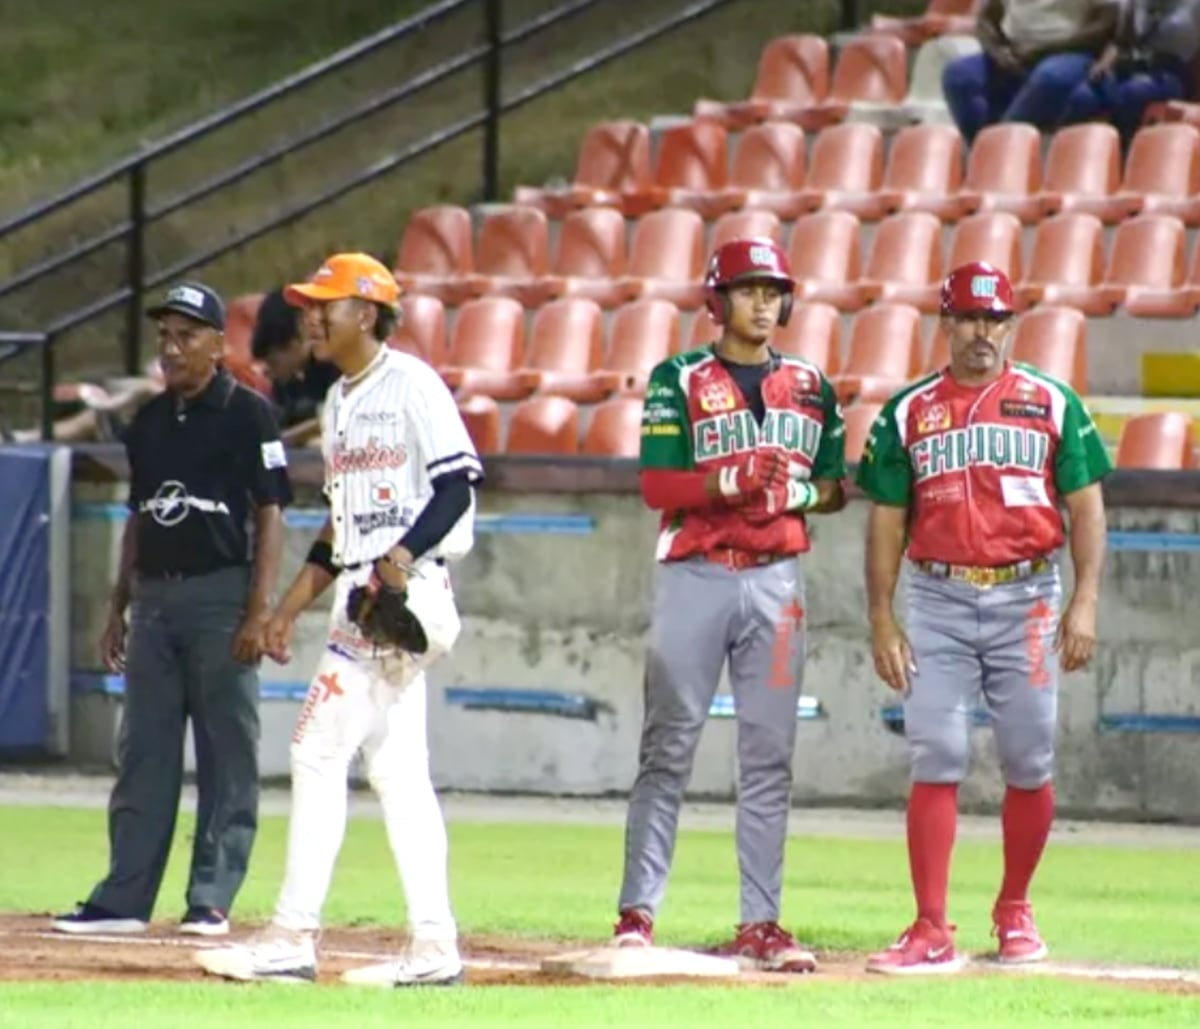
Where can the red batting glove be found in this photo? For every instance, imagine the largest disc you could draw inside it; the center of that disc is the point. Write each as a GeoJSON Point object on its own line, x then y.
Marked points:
{"type": "Point", "coordinates": [760, 470]}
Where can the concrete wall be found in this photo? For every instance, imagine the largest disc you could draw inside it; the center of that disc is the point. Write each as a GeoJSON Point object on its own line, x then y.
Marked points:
{"type": "Point", "coordinates": [554, 599]}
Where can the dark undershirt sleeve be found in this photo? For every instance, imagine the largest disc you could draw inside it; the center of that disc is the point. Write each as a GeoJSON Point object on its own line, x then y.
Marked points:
{"type": "Point", "coordinates": [450, 501]}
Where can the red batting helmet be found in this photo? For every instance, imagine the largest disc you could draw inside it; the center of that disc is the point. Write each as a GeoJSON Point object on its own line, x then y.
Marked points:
{"type": "Point", "coordinates": [742, 259]}
{"type": "Point", "coordinates": [977, 288]}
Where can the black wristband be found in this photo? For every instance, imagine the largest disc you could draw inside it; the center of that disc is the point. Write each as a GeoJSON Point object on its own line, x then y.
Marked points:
{"type": "Point", "coordinates": [321, 555]}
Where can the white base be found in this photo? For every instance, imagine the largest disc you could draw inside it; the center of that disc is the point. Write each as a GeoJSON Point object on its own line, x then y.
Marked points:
{"type": "Point", "coordinates": [633, 962]}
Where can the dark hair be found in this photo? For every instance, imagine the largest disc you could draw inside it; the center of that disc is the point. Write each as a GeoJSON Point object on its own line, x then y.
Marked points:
{"type": "Point", "coordinates": [276, 327]}
{"type": "Point", "coordinates": [385, 321]}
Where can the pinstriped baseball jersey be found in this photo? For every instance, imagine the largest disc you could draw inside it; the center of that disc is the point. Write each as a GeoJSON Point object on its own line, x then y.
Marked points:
{"type": "Point", "coordinates": [386, 438]}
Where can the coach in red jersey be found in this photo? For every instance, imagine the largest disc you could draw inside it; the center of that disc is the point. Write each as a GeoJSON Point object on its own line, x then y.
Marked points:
{"type": "Point", "coordinates": [971, 466]}
{"type": "Point", "coordinates": [739, 442]}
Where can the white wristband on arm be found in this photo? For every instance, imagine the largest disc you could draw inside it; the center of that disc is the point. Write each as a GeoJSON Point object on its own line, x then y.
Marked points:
{"type": "Point", "coordinates": [727, 481]}
{"type": "Point", "coordinates": [802, 495]}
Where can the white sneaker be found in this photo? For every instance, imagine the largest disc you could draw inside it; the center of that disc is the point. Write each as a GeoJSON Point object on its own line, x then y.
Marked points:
{"type": "Point", "coordinates": [423, 963]}
{"type": "Point", "coordinates": [273, 955]}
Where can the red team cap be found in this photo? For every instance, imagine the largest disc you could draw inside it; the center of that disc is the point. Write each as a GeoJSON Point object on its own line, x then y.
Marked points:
{"type": "Point", "coordinates": [977, 288]}
{"type": "Point", "coordinates": [742, 259]}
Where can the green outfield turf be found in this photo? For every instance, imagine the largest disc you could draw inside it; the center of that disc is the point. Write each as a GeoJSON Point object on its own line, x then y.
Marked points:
{"type": "Point", "coordinates": [1120, 905]}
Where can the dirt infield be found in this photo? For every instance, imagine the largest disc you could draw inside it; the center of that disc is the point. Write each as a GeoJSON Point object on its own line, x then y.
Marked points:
{"type": "Point", "coordinates": [30, 952]}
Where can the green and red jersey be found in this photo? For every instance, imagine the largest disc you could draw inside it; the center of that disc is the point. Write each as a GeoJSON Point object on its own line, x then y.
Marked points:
{"type": "Point", "coordinates": [695, 419]}
{"type": "Point", "coordinates": [982, 468]}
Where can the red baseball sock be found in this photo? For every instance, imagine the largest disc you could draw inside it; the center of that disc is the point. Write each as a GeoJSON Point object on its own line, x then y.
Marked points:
{"type": "Point", "coordinates": [1025, 820]}
{"type": "Point", "coordinates": [932, 821]}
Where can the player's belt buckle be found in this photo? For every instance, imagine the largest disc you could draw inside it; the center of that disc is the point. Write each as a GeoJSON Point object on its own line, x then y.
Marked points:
{"type": "Point", "coordinates": [737, 560]}
{"type": "Point", "coordinates": [982, 577]}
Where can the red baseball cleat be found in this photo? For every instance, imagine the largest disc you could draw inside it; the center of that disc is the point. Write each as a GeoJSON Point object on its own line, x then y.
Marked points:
{"type": "Point", "coordinates": [923, 949]}
{"type": "Point", "coordinates": [634, 928]}
{"type": "Point", "coordinates": [1020, 941]}
{"type": "Point", "coordinates": [768, 947]}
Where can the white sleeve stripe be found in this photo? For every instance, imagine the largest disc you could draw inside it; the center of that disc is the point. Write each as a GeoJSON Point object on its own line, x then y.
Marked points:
{"type": "Point", "coordinates": [434, 465]}
{"type": "Point", "coordinates": [465, 463]}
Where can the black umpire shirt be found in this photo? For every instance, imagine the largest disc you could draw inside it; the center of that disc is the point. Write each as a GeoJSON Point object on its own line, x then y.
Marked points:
{"type": "Point", "coordinates": [195, 469]}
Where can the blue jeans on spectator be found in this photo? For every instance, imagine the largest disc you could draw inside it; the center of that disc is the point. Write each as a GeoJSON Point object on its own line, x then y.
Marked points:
{"type": "Point", "coordinates": [1123, 99]}
{"type": "Point", "coordinates": [979, 93]}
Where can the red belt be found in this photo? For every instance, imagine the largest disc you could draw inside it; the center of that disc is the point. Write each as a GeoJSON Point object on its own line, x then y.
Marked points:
{"type": "Point", "coordinates": [736, 560]}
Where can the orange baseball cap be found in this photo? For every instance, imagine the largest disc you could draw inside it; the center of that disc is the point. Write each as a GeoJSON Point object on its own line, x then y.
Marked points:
{"type": "Point", "coordinates": [343, 276]}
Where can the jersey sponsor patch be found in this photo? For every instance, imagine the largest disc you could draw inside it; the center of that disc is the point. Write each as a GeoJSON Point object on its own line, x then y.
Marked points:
{"type": "Point", "coordinates": [273, 454]}
{"type": "Point", "coordinates": [383, 493]}
{"type": "Point", "coordinates": [715, 397]}
{"type": "Point", "coordinates": [1024, 409]}
{"type": "Point", "coordinates": [668, 429]}
{"type": "Point", "coordinates": [392, 518]}
{"type": "Point", "coordinates": [802, 396]}
{"type": "Point", "coordinates": [934, 418]}
{"type": "Point", "coordinates": [1023, 491]}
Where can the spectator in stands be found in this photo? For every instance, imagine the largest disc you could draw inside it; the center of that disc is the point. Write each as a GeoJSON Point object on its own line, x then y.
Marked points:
{"type": "Point", "coordinates": [299, 381]}
{"type": "Point", "coordinates": [1036, 53]}
{"type": "Point", "coordinates": [200, 554]}
{"type": "Point", "coordinates": [1149, 61]}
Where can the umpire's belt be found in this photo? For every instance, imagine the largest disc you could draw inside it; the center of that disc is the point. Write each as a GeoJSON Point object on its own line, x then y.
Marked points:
{"type": "Point", "coordinates": [735, 559]}
{"type": "Point", "coordinates": [983, 576]}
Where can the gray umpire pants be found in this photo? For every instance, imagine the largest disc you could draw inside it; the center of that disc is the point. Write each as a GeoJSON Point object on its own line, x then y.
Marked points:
{"type": "Point", "coordinates": [180, 665]}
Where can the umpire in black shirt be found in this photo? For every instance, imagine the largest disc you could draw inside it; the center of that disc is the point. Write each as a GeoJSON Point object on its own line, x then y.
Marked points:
{"type": "Point", "coordinates": [205, 458]}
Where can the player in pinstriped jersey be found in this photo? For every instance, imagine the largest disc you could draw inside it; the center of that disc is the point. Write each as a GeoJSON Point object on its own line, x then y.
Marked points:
{"type": "Point", "coordinates": [400, 472]}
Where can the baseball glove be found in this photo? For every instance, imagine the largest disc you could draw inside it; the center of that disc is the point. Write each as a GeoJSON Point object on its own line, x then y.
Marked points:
{"type": "Point", "coordinates": [383, 617]}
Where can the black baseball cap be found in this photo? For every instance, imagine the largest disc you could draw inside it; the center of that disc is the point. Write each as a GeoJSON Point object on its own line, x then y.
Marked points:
{"type": "Point", "coordinates": [195, 300]}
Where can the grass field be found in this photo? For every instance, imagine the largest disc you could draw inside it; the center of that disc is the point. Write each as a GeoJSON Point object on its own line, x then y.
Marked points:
{"type": "Point", "coordinates": [1118, 905]}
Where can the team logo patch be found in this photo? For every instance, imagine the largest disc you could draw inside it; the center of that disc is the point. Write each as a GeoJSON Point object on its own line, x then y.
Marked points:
{"type": "Point", "coordinates": [364, 286]}
{"type": "Point", "coordinates": [715, 397]}
{"type": "Point", "coordinates": [983, 287]}
{"type": "Point", "coordinates": [763, 257]}
{"type": "Point", "coordinates": [1023, 409]}
{"type": "Point", "coordinates": [383, 494]}
{"type": "Point", "coordinates": [935, 418]}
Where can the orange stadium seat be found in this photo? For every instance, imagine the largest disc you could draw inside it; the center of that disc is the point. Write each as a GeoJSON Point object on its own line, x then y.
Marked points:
{"type": "Point", "coordinates": [939, 350]}
{"type": "Point", "coordinates": [1162, 440]}
{"type": "Point", "coordinates": [884, 353]}
{"type": "Point", "coordinates": [825, 256]}
{"type": "Point", "coordinates": [845, 168]}
{"type": "Point", "coordinates": [643, 333]}
{"type": "Point", "coordinates": [1066, 264]}
{"type": "Point", "coordinates": [859, 418]}
{"type": "Point", "coordinates": [1145, 271]}
{"type": "Point", "coordinates": [745, 225]}
{"type": "Point", "coordinates": [1004, 171]}
{"type": "Point", "coordinates": [486, 345]}
{"type": "Point", "coordinates": [614, 157]}
{"type": "Point", "coordinates": [544, 425]}
{"type": "Point", "coordinates": [690, 170]}
{"type": "Point", "coordinates": [1054, 340]}
{"type": "Point", "coordinates": [1162, 171]}
{"type": "Point", "coordinates": [813, 332]}
{"type": "Point", "coordinates": [614, 428]}
{"type": "Point", "coordinates": [1083, 171]}
{"type": "Point", "coordinates": [792, 76]}
{"type": "Point", "coordinates": [905, 261]}
{"type": "Point", "coordinates": [941, 17]}
{"type": "Point", "coordinates": [512, 257]}
{"type": "Point", "coordinates": [666, 258]}
{"type": "Point", "coordinates": [924, 172]}
{"type": "Point", "coordinates": [704, 330]}
{"type": "Point", "coordinates": [590, 254]}
{"type": "Point", "coordinates": [421, 328]}
{"type": "Point", "coordinates": [869, 69]}
{"type": "Point", "coordinates": [566, 342]}
{"type": "Point", "coordinates": [435, 254]}
{"type": "Point", "coordinates": [481, 416]}
{"type": "Point", "coordinates": [769, 166]}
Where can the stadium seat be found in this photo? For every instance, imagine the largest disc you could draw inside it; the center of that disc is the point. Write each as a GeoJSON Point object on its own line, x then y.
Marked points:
{"type": "Point", "coordinates": [845, 168]}
{"type": "Point", "coordinates": [566, 343]}
{"type": "Point", "coordinates": [871, 70]}
{"type": "Point", "coordinates": [614, 157]}
{"type": "Point", "coordinates": [481, 416]}
{"type": "Point", "coordinates": [1004, 172]}
{"type": "Point", "coordinates": [792, 76]}
{"type": "Point", "coordinates": [941, 17]}
{"type": "Point", "coordinates": [590, 255]}
{"type": "Point", "coordinates": [813, 332]}
{"type": "Point", "coordinates": [690, 170]}
{"type": "Point", "coordinates": [991, 236]}
{"type": "Point", "coordinates": [884, 353]}
{"type": "Point", "coordinates": [435, 253]}
{"type": "Point", "coordinates": [939, 350]}
{"type": "Point", "coordinates": [926, 99]}
{"type": "Point", "coordinates": [924, 172]}
{"type": "Point", "coordinates": [905, 261]}
{"type": "Point", "coordinates": [485, 346]}
{"type": "Point", "coordinates": [666, 258]}
{"type": "Point", "coordinates": [241, 314]}
{"type": "Point", "coordinates": [745, 225]}
{"type": "Point", "coordinates": [1159, 440]}
{"type": "Point", "coordinates": [1083, 172]}
{"type": "Point", "coordinates": [703, 331]}
{"type": "Point", "coordinates": [544, 425]}
{"type": "Point", "coordinates": [642, 334]}
{"type": "Point", "coordinates": [1186, 111]}
{"type": "Point", "coordinates": [614, 428]}
{"type": "Point", "coordinates": [1066, 264]}
{"type": "Point", "coordinates": [512, 257]}
{"type": "Point", "coordinates": [1054, 340]}
{"type": "Point", "coordinates": [824, 253]}
{"type": "Point", "coordinates": [858, 418]}
{"type": "Point", "coordinates": [421, 328]}
{"type": "Point", "coordinates": [1145, 271]}
{"type": "Point", "coordinates": [769, 167]}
